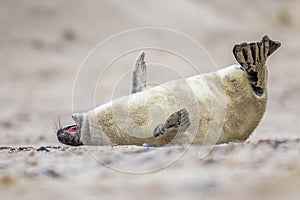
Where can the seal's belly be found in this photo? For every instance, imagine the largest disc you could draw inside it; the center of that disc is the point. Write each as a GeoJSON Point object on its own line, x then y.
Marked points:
{"type": "Point", "coordinates": [222, 108]}
{"type": "Point", "coordinates": [234, 110]}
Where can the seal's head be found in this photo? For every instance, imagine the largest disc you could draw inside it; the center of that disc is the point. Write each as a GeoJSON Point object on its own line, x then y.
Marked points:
{"type": "Point", "coordinates": [70, 134]}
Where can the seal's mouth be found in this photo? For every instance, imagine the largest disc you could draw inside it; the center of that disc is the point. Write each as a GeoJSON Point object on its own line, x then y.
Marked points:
{"type": "Point", "coordinates": [69, 135]}
{"type": "Point", "coordinates": [72, 128]}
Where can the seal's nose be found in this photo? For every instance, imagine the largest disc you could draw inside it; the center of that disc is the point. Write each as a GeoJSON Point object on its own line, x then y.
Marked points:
{"type": "Point", "coordinates": [62, 138]}
{"type": "Point", "coordinates": [69, 138]}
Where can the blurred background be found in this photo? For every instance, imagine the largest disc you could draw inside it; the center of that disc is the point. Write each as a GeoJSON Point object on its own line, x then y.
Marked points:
{"type": "Point", "coordinates": [43, 43]}
{"type": "Point", "coordinates": [42, 46]}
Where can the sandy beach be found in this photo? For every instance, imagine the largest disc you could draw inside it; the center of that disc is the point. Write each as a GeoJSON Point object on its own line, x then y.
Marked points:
{"type": "Point", "coordinates": [44, 43]}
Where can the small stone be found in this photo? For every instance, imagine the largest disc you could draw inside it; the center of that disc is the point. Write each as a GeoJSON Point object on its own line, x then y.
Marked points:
{"type": "Point", "coordinates": [148, 145]}
{"type": "Point", "coordinates": [52, 173]}
{"type": "Point", "coordinates": [5, 148]}
{"type": "Point", "coordinates": [42, 148]}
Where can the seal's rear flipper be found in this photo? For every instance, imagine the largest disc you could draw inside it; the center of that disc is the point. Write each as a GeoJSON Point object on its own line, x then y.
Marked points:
{"type": "Point", "coordinates": [178, 122]}
{"type": "Point", "coordinates": [273, 46]}
{"type": "Point", "coordinates": [139, 79]}
{"type": "Point", "coordinates": [252, 57]}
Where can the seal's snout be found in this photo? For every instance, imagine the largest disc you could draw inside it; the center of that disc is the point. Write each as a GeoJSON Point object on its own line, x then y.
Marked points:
{"type": "Point", "coordinates": [69, 135]}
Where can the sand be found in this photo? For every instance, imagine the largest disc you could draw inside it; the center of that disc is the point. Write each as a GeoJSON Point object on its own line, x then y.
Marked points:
{"type": "Point", "coordinates": [42, 45]}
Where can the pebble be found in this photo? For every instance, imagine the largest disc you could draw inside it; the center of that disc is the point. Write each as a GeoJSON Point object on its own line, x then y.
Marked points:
{"type": "Point", "coordinates": [42, 148]}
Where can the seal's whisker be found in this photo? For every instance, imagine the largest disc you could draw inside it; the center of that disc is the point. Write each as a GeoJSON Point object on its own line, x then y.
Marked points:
{"type": "Point", "coordinates": [57, 124]}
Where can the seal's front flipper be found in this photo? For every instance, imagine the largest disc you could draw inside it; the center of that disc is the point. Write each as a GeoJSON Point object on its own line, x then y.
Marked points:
{"type": "Point", "coordinates": [179, 121]}
{"type": "Point", "coordinates": [139, 79]}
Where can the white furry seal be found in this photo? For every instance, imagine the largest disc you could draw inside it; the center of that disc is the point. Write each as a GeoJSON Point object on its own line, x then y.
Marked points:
{"type": "Point", "coordinates": [157, 116]}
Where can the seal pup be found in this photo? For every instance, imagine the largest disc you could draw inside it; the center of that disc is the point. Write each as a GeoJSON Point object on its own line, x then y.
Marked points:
{"type": "Point", "coordinates": [157, 115]}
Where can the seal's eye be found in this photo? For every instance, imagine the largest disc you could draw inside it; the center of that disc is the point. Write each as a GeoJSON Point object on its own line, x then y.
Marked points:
{"type": "Point", "coordinates": [72, 128]}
